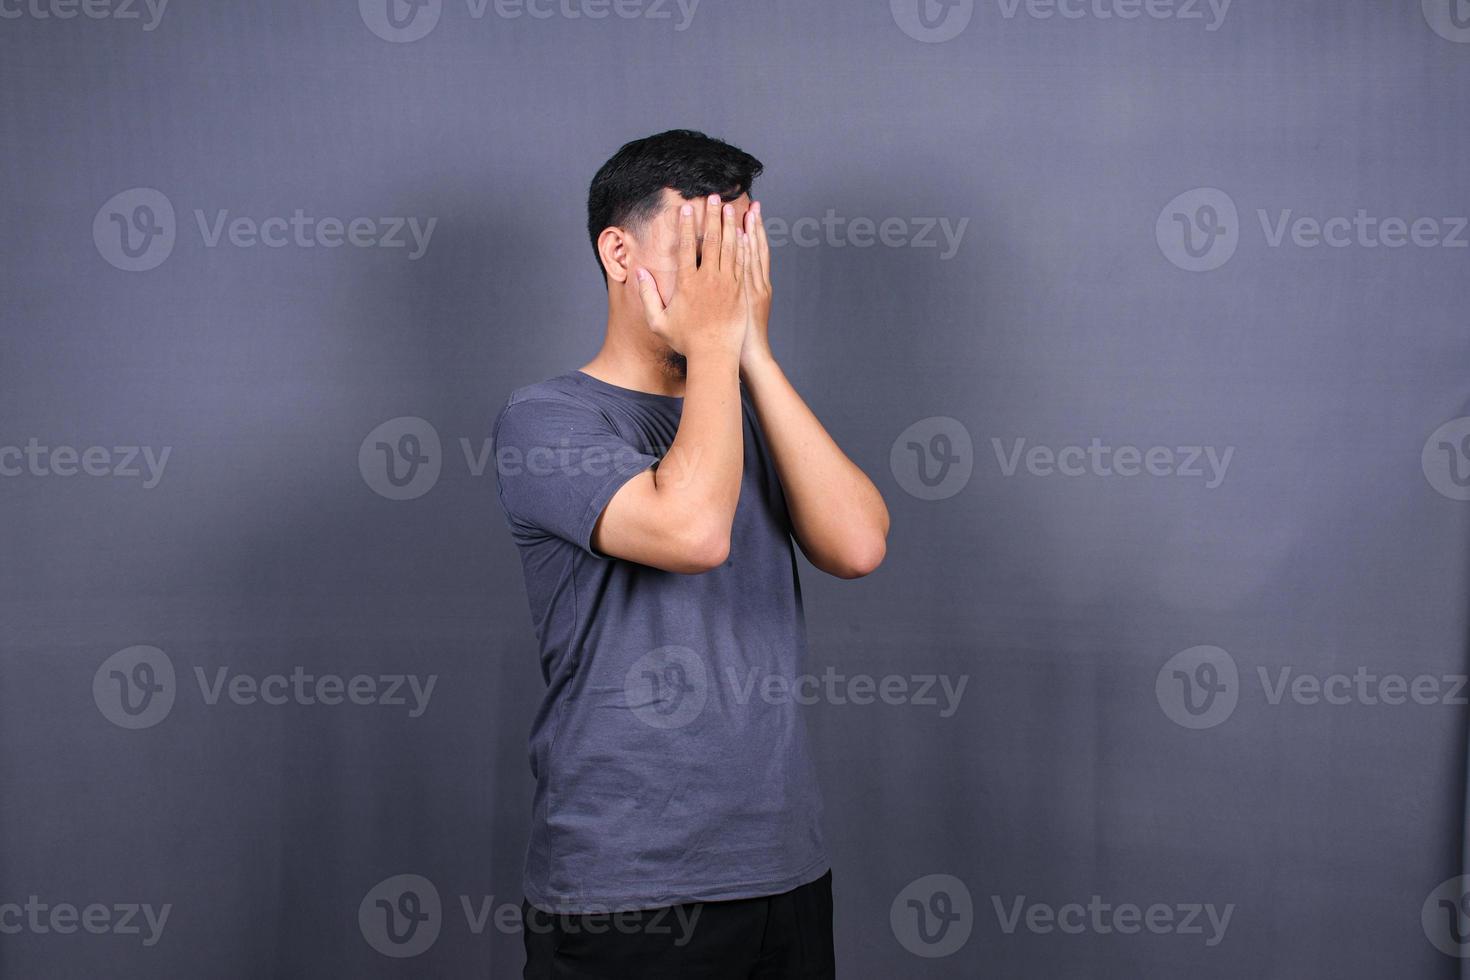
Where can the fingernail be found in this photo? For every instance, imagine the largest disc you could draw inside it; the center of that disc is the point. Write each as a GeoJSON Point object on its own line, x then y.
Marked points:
{"type": "Point", "coordinates": [642, 274]}
{"type": "Point", "coordinates": [714, 200]}
{"type": "Point", "coordinates": [687, 209]}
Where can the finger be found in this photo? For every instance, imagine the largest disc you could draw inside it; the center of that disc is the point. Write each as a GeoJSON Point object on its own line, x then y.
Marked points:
{"type": "Point", "coordinates": [687, 244]}
{"type": "Point", "coordinates": [742, 260]}
{"type": "Point", "coordinates": [754, 260]}
{"type": "Point", "coordinates": [653, 303]}
{"type": "Point", "coordinates": [710, 254]}
{"type": "Point", "coordinates": [761, 246]}
{"type": "Point", "coordinates": [747, 262]}
{"type": "Point", "coordinates": [729, 247]}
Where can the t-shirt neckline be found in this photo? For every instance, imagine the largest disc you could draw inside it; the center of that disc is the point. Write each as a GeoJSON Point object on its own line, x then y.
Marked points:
{"type": "Point", "coordinates": [584, 378]}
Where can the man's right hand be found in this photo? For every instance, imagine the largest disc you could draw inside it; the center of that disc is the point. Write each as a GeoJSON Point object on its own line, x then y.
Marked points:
{"type": "Point", "coordinates": [708, 309]}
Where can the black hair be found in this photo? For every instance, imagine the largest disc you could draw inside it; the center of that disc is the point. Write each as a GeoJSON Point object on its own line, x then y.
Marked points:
{"type": "Point", "coordinates": [628, 189]}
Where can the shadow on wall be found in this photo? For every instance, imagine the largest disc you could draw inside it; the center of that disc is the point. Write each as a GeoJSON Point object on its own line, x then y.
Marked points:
{"type": "Point", "coordinates": [339, 579]}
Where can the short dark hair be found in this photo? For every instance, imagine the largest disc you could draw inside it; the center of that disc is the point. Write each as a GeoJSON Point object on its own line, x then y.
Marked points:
{"type": "Point", "coordinates": [628, 188]}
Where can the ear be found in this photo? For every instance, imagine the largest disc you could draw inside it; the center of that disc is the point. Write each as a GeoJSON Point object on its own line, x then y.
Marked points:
{"type": "Point", "coordinates": [612, 248]}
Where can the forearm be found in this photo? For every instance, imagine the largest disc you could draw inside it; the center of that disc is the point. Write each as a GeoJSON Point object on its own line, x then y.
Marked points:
{"type": "Point", "coordinates": [837, 514]}
{"type": "Point", "coordinates": [700, 473]}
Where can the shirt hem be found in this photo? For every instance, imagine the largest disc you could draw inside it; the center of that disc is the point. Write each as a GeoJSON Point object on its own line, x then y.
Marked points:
{"type": "Point", "coordinates": [678, 895]}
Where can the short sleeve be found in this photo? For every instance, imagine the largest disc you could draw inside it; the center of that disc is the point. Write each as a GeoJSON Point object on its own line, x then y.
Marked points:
{"type": "Point", "coordinates": [557, 464]}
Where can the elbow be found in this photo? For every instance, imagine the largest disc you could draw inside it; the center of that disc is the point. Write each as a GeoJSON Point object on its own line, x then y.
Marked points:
{"type": "Point", "coordinates": [862, 558]}
{"type": "Point", "coordinates": [705, 548]}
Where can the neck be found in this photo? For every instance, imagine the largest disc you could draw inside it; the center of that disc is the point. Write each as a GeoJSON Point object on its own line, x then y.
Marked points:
{"type": "Point", "coordinates": [632, 357]}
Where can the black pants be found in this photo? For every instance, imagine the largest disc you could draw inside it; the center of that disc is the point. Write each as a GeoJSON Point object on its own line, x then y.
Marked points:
{"type": "Point", "coordinates": [774, 937]}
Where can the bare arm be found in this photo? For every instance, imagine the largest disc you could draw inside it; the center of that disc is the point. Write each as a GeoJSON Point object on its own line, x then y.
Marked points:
{"type": "Point", "coordinates": [837, 514]}
{"type": "Point", "coordinates": [677, 516]}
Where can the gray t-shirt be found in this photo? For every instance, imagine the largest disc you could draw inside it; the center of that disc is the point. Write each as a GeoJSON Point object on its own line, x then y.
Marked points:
{"type": "Point", "coordinates": [669, 751]}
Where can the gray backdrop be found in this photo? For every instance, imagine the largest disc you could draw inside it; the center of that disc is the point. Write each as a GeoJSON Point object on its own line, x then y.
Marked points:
{"type": "Point", "coordinates": [1147, 316]}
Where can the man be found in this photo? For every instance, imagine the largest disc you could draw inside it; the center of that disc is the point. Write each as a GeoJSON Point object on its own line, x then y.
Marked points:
{"type": "Point", "coordinates": [654, 495]}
